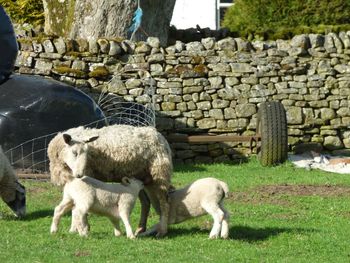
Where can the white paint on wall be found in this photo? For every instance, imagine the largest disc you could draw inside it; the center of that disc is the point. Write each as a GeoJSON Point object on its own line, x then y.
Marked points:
{"type": "Point", "coordinates": [189, 13]}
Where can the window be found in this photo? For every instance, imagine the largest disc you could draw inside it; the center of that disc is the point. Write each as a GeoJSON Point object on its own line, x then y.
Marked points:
{"type": "Point", "coordinates": [221, 8]}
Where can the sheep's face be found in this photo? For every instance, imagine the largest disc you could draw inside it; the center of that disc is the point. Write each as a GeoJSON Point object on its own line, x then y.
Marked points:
{"type": "Point", "coordinates": [18, 205]}
{"type": "Point", "coordinates": [133, 183]}
{"type": "Point", "coordinates": [75, 155]}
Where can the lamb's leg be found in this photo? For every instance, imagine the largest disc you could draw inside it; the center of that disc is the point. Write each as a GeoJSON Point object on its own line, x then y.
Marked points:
{"type": "Point", "coordinates": [145, 208]}
{"type": "Point", "coordinates": [214, 210]}
{"type": "Point", "coordinates": [225, 223]}
{"type": "Point", "coordinates": [125, 217]}
{"type": "Point", "coordinates": [116, 224]}
{"type": "Point", "coordinates": [81, 223]}
{"type": "Point", "coordinates": [65, 205]}
{"type": "Point", "coordinates": [73, 226]}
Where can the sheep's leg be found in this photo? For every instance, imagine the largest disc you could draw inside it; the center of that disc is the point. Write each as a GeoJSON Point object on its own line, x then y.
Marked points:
{"type": "Point", "coordinates": [218, 216]}
{"type": "Point", "coordinates": [81, 223]}
{"type": "Point", "coordinates": [116, 224]}
{"type": "Point", "coordinates": [149, 232]}
{"type": "Point", "coordinates": [73, 226]}
{"type": "Point", "coordinates": [145, 208]}
{"type": "Point", "coordinates": [225, 223]}
{"type": "Point", "coordinates": [125, 217]}
{"type": "Point", "coordinates": [159, 200]}
{"type": "Point", "coordinates": [164, 213]}
{"type": "Point", "coordinates": [65, 205]}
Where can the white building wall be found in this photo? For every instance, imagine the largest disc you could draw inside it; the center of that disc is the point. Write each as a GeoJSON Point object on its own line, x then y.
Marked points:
{"type": "Point", "coordinates": [189, 13]}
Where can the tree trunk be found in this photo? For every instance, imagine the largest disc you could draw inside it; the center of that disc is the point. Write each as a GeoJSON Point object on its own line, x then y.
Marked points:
{"type": "Point", "coordinates": [91, 19]}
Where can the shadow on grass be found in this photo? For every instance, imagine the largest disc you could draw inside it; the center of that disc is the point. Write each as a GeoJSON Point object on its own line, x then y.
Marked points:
{"type": "Point", "coordinates": [187, 168]}
{"type": "Point", "coordinates": [29, 216]}
{"type": "Point", "coordinates": [38, 214]}
{"type": "Point", "coordinates": [242, 233]}
{"type": "Point", "coordinates": [250, 234]}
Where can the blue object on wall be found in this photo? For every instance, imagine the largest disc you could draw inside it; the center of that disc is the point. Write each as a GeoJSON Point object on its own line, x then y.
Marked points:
{"type": "Point", "coordinates": [137, 19]}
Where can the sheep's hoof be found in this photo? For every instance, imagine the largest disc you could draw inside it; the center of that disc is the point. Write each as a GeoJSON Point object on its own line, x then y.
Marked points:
{"type": "Point", "coordinates": [225, 236]}
{"type": "Point", "coordinates": [131, 237]}
{"type": "Point", "coordinates": [150, 232]}
{"type": "Point", "coordinates": [117, 233]}
{"type": "Point", "coordinates": [160, 234]}
{"type": "Point", "coordinates": [140, 230]}
{"type": "Point", "coordinates": [53, 230]}
{"type": "Point", "coordinates": [73, 230]}
{"type": "Point", "coordinates": [83, 234]}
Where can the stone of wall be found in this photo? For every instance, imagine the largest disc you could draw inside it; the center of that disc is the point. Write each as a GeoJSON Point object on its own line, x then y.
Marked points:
{"type": "Point", "coordinates": [214, 86]}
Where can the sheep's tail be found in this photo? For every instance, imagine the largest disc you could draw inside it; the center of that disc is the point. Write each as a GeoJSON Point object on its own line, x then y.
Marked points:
{"type": "Point", "coordinates": [224, 188]}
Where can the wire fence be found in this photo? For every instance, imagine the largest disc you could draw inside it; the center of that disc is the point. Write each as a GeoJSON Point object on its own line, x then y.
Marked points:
{"type": "Point", "coordinates": [30, 157]}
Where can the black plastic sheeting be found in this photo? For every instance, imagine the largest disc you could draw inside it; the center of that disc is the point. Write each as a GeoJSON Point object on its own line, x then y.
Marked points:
{"type": "Point", "coordinates": [33, 106]}
{"type": "Point", "coordinates": [8, 46]}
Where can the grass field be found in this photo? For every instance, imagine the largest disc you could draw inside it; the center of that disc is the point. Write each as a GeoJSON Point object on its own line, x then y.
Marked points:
{"type": "Point", "coordinates": [278, 214]}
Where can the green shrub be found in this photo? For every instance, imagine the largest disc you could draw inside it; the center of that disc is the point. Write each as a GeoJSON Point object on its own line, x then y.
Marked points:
{"type": "Point", "coordinates": [272, 19]}
{"type": "Point", "coordinates": [24, 11]}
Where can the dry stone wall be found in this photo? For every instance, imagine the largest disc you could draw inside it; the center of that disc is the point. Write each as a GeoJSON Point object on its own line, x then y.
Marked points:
{"type": "Point", "coordinates": [213, 86]}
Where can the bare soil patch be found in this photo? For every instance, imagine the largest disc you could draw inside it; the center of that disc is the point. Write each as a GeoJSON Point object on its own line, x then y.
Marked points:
{"type": "Point", "coordinates": [274, 194]}
{"type": "Point", "coordinates": [305, 190]}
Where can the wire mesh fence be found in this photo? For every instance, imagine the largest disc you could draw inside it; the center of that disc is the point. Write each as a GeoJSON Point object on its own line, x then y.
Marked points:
{"type": "Point", "coordinates": [30, 157]}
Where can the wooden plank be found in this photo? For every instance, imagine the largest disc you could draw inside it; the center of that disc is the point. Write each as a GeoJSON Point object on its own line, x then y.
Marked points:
{"type": "Point", "coordinates": [33, 176]}
{"type": "Point", "coordinates": [211, 138]}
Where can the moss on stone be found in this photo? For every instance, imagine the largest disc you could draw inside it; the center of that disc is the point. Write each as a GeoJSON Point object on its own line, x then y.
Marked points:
{"type": "Point", "coordinates": [63, 70]}
{"type": "Point", "coordinates": [197, 60]}
{"type": "Point", "coordinates": [116, 39]}
{"type": "Point", "coordinates": [25, 40]}
{"type": "Point", "coordinates": [201, 69]}
{"type": "Point", "coordinates": [62, 16]}
{"type": "Point", "coordinates": [99, 73]}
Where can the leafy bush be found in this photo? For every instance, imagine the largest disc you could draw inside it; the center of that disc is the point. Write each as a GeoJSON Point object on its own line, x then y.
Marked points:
{"type": "Point", "coordinates": [272, 19]}
{"type": "Point", "coordinates": [24, 11]}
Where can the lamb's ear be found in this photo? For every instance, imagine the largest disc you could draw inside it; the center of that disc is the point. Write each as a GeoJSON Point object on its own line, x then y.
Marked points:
{"type": "Point", "coordinates": [92, 139]}
{"type": "Point", "coordinates": [125, 181]}
{"type": "Point", "coordinates": [67, 138]}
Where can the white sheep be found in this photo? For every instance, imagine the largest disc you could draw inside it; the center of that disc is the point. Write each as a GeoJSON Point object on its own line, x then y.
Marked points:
{"type": "Point", "coordinates": [112, 152]}
{"type": "Point", "coordinates": [87, 194]}
{"type": "Point", "coordinates": [203, 196]}
{"type": "Point", "coordinates": [11, 191]}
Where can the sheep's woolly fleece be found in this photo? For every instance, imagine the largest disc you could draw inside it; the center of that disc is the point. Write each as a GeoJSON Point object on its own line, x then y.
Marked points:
{"type": "Point", "coordinates": [120, 150]}
{"type": "Point", "coordinates": [312, 160]}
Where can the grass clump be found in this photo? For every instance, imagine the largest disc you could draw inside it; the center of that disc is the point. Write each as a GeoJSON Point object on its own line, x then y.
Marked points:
{"type": "Point", "coordinates": [278, 214]}
{"type": "Point", "coordinates": [273, 19]}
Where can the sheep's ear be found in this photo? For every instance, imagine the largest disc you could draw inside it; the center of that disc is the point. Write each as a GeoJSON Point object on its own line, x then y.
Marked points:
{"type": "Point", "coordinates": [67, 138]}
{"type": "Point", "coordinates": [125, 181]}
{"type": "Point", "coordinates": [91, 139]}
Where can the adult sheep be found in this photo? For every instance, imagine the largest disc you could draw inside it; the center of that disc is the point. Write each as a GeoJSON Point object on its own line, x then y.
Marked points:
{"type": "Point", "coordinates": [112, 152]}
{"type": "Point", "coordinates": [11, 191]}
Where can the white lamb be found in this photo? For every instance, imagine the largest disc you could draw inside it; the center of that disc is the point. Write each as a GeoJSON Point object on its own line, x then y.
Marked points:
{"type": "Point", "coordinates": [203, 196]}
{"type": "Point", "coordinates": [87, 194]}
{"type": "Point", "coordinates": [112, 152]}
{"type": "Point", "coordinates": [11, 191]}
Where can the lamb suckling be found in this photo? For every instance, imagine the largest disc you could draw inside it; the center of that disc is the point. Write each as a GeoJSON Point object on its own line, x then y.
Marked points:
{"type": "Point", "coordinates": [11, 191]}
{"type": "Point", "coordinates": [112, 152]}
{"type": "Point", "coordinates": [89, 195]}
{"type": "Point", "coordinates": [203, 196]}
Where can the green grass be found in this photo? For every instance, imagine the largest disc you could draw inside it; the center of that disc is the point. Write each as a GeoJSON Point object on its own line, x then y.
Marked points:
{"type": "Point", "coordinates": [278, 214]}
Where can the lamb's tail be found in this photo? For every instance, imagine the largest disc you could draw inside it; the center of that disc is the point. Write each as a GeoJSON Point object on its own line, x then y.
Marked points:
{"type": "Point", "coordinates": [224, 188]}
